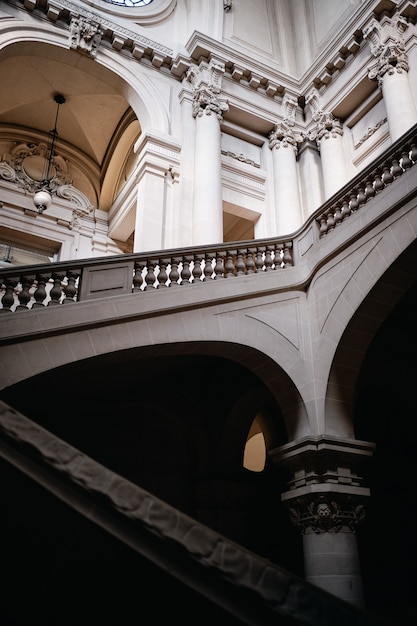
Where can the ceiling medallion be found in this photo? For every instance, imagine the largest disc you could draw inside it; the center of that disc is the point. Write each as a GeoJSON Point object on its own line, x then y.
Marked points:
{"type": "Point", "coordinates": [130, 3]}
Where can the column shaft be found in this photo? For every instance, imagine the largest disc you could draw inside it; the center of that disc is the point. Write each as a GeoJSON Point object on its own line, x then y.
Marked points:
{"type": "Point", "coordinates": [331, 561]}
{"type": "Point", "coordinates": [399, 103]}
{"type": "Point", "coordinates": [208, 210]}
{"type": "Point", "coordinates": [287, 195]}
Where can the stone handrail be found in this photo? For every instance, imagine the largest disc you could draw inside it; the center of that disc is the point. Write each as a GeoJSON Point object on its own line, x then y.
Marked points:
{"type": "Point", "coordinates": [27, 287]}
{"type": "Point", "coordinates": [244, 584]}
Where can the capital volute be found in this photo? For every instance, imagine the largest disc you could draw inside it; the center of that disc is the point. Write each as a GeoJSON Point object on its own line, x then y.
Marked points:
{"type": "Point", "coordinates": [386, 39]}
{"type": "Point", "coordinates": [284, 136]}
{"type": "Point", "coordinates": [206, 80]}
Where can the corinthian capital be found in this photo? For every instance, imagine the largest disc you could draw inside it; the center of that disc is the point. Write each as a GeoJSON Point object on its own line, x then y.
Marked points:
{"type": "Point", "coordinates": [206, 81]}
{"type": "Point", "coordinates": [283, 136]}
{"type": "Point", "coordinates": [326, 125]}
{"type": "Point", "coordinates": [386, 39]}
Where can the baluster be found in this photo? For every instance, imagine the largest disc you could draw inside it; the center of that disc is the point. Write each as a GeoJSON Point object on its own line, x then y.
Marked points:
{"type": "Point", "coordinates": [186, 272]}
{"type": "Point", "coordinates": [338, 215]}
{"type": "Point", "coordinates": [229, 266]}
{"type": "Point", "coordinates": [250, 261]}
{"type": "Point", "coordinates": [219, 267]}
{"type": "Point", "coordinates": [259, 262]}
{"type": "Point", "coordinates": [378, 184]}
{"type": "Point", "coordinates": [387, 177]}
{"type": "Point", "coordinates": [40, 291]}
{"type": "Point", "coordinates": [413, 152]}
{"type": "Point", "coordinates": [345, 209]}
{"type": "Point", "coordinates": [330, 221]}
{"type": "Point", "coordinates": [174, 274]}
{"type": "Point", "coordinates": [70, 289]}
{"type": "Point", "coordinates": [369, 190]}
{"type": "Point", "coordinates": [150, 277]}
{"type": "Point", "coordinates": [396, 169]}
{"type": "Point", "coordinates": [208, 268]}
{"type": "Point", "coordinates": [361, 196]}
{"type": "Point", "coordinates": [406, 162]}
{"type": "Point", "coordinates": [354, 204]}
{"type": "Point", "coordinates": [56, 291]}
{"type": "Point", "coordinates": [278, 256]}
{"type": "Point", "coordinates": [24, 296]}
{"type": "Point", "coordinates": [323, 225]}
{"type": "Point", "coordinates": [197, 270]}
{"type": "Point", "coordinates": [8, 299]}
{"type": "Point", "coordinates": [163, 274]}
{"type": "Point", "coordinates": [268, 258]}
{"type": "Point", "coordinates": [138, 278]}
{"type": "Point", "coordinates": [287, 258]}
{"type": "Point", "coordinates": [240, 263]}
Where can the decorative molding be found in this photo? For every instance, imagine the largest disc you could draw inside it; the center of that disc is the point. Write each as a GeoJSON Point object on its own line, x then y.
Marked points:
{"type": "Point", "coordinates": [25, 166]}
{"type": "Point", "coordinates": [371, 130]}
{"type": "Point", "coordinates": [240, 157]}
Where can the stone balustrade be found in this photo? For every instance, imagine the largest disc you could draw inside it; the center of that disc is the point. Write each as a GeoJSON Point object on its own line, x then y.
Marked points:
{"type": "Point", "coordinates": [33, 286]}
{"type": "Point", "coordinates": [27, 287]}
{"type": "Point", "coordinates": [399, 158]}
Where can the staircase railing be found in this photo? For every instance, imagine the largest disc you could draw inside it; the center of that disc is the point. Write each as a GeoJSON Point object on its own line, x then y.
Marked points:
{"type": "Point", "coordinates": [27, 287]}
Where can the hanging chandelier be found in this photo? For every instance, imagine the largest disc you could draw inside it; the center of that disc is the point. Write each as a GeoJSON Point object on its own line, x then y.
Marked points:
{"type": "Point", "coordinates": [43, 195]}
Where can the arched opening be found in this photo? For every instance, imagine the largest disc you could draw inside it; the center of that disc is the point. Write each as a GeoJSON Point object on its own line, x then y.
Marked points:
{"type": "Point", "coordinates": [176, 425]}
{"type": "Point", "coordinates": [255, 453]}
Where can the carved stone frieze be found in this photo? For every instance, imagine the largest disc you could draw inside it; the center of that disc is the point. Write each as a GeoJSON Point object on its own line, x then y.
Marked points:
{"type": "Point", "coordinates": [326, 513]}
{"type": "Point", "coordinates": [386, 39]}
{"type": "Point", "coordinates": [206, 81]}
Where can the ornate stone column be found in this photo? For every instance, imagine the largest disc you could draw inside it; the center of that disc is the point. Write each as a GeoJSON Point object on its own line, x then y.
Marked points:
{"type": "Point", "coordinates": [326, 500]}
{"type": "Point", "coordinates": [208, 109]}
{"type": "Point", "coordinates": [391, 71]}
{"type": "Point", "coordinates": [283, 142]}
{"type": "Point", "coordinates": [328, 133]}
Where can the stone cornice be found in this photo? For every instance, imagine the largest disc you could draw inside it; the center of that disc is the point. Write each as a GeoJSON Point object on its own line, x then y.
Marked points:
{"type": "Point", "coordinates": [238, 67]}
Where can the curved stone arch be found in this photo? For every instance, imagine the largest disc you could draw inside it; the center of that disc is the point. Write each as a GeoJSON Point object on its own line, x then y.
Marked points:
{"type": "Point", "coordinates": [357, 336]}
{"type": "Point", "coordinates": [138, 89]}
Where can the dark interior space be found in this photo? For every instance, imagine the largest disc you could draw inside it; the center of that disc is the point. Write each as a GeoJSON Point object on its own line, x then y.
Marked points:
{"type": "Point", "coordinates": [385, 414]}
{"type": "Point", "coordinates": [143, 419]}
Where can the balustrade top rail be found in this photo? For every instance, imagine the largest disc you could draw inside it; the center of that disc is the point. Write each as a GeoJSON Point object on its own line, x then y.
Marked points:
{"type": "Point", "coordinates": [26, 287]}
